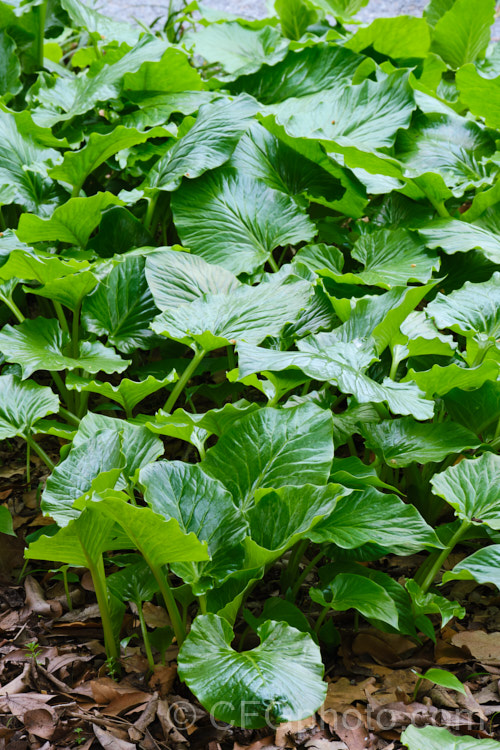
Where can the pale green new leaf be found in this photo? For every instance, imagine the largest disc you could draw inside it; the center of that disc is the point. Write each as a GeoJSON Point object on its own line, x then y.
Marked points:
{"type": "Point", "coordinates": [472, 310]}
{"type": "Point", "coordinates": [280, 680]}
{"type": "Point", "coordinates": [402, 38]}
{"type": "Point", "coordinates": [351, 591]}
{"type": "Point", "coordinates": [6, 526]}
{"type": "Point", "coordinates": [438, 738]}
{"type": "Point", "coordinates": [481, 95]}
{"type": "Point", "coordinates": [295, 16]}
{"type": "Point", "coordinates": [455, 236]}
{"type": "Point", "coordinates": [128, 393]}
{"type": "Point", "coordinates": [22, 404]}
{"type": "Point", "coordinates": [462, 34]}
{"type": "Point", "coordinates": [482, 566]}
{"type": "Point", "coordinates": [94, 22]}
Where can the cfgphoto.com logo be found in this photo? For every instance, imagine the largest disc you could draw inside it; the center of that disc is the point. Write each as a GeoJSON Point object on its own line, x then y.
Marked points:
{"type": "Point", "coordinates": [252, 714]}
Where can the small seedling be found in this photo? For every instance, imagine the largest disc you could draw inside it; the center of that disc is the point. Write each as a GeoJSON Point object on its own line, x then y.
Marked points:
{"type": "Point", "coordinates": [34, 651]}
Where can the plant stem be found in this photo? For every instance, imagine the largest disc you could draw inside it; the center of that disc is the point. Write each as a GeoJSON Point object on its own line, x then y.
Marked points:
{"type": "Point", "coordinates": [67, 396]}
{"type": "Point", "coordinates": [39, 11]}
{"type": "Point", "coordinates": [40, 452]}
{"type": "Point", "coordinates": [148, 221]}
{"type": "Point", "coordinates": [28, 468]}
{"type": "Point", "coordinates": [321, 619]}
{"type": "Point", "coordinates": [101, 592]}
{"type": "Point", "coordinates": [64, 571]}
{"type": "Point", "coordinates": [145, 636]}
{"type": "Point", "coordinates": [292, 569]}
{"type": "Point", "coordinates": [13, 307]}
{"type": "Point", "coordinates": [230, 358]}
{"type": "Point", "coordinates": [185, 377]}
{"type": "Point", "coordinates": [69, 416]}
{"type": "Point", "coordinates": [273, 264]}
{"type": "Point", "coordinates": [61, 316]}
{"type": "Point", "coordinates": [170, 603]}
{"type": "Point", "coordinates": [75, 331]}
{"type": "Point", "coordinates": [203, 604]}
{"type": "Point", "coordinates": [300, 580]}
{"type": "Point", "coordinates": [431, 575]}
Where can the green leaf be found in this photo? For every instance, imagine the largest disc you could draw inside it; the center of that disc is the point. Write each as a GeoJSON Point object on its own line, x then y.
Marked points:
{"type": "Point", "coordinates": [133, 583]}
{"type": "Point", "coordinates": [371, 516]}
{"type": "Point", "coordinates": [96, 23]}
{"type": "Point", "coordinates": [176, 278]}
{"type": "Point", "coordinates": [261, 683]}
{"type": "Point", "coordinates": [94, 464]}
{"type": "Point", "coordinates": [462, 34]}
{"type": "Point", "coordinates": [68, 290]}
{"type": "Point", "coordinates": [324, 358]}
{"type": "Point", "coordinates": [352, 472]}
{"type": "Point", "coordinates": [282, 517]}
{"type": "Point", "coordinates": [481, 95]}
{"type": "Point", "coordinates": [22, 404]}
{"type": "Point", "coordinates": [477, 409]}
{"type": "Point", "coordinates": [472, 310]}
{"type": "Point", "coordinates": [203, 506]}
{"type": "Point", "coordinates": [437, 738]}
{"type": "Point", "coordinates": [72, 222]}
{"type": "Point", "coordinates": [400, 442]}
{"type": "Point", "coordinates": [438, 381]}
{"type": "Point", "coordinates": [455, 236]}
{"type": "Point", "coordinates": [272, 448]}
{"type": "Point", "coordinates": [471, 488]}
{"type": "Point", "coordinates": [245, 313]}
{"type": "Point", "coordinates": [317, 68]}
{"type": "Point", "coordinates": [350, 591]}
{"type": "Point", "coordinates": [78, 165]}
{"type": "Point", "coordinates": [239, 50]}
{"type": "Point", "coordinates": [391, 258]}
{"type": "Point", "coordinates": [38, 266]}
{"type": "Point", "coordinates": [10, 69]}
{"type": "Point", "coordinates": [122, 307]}
{"type": "Point", "coordinates": [128, 393]}
{"type": "Point", "coordinates": [429, 603]}
{"type": "Point", "coordinates": [41, 344]}
{"type": "Point", "coordinates": [295, 16]}
{"type": "Point", "coordinates": [138, 445]}
{"type": "Point", "coordinates": [159, 541]}
{"type": "Point", "coordinates": [444, 679]}
{"type": "Point", "coordinates": [341, 9]}
{"type": "Point", "coordinates": [118, 232]}
{"type": "Point", "coordinates": [6, 521]}
{"type": "Point", "coordinates": [401, 38]}
{"type": "Point", "coordinates": [243, 220]}
{"type": "Point", "coordinates": [24, 156]}
{"type": "Point", "coordinates": [482, 566]}
{"type": "Point", "coordinates": [172, 73]}
{"type": "Point", "coordinates": [210, 142]}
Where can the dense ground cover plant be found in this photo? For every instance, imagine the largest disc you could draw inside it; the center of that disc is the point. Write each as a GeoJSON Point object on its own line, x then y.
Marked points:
{"type": "Point", "coordinates": [276, 245]}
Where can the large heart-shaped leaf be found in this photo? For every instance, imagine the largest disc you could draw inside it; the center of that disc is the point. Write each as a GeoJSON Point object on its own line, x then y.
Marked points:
{"type": "Point", "coordinates": [22, 404]}
{"type": "Point", "coordinates": [41, 344]}
{"type": "Point", "coordinates": [94, 22]}
{"type": "Point", "coordinates": [400, 442]}
{"type": "Point", "coordinates": [371, 516]}
{"type": "Point", "coordinates": [122, 307]}
{"type": "Point", "coordinates": [248, 313]}
{"type": "Point", "coordinates": [201, 505]}
{"type": "Point", "coordinates": [128, 393]}
{"type": "Point", "coordinates": [463, 32]}
{"type": "Point", "coordinates": [481, 95]}
{"type": "Point", "coordinates": [208, 144]}
{"type": "Point", "coordinates": [280, 680]}
{"type": "Point", "coordinates": [401, 38]}
{"type": "Point", "coordinates": [345, 365]}
{"type": "Point", "coordinates": [474, 309]}
{"type": "Point", "coordinates": [272, 448]}
{"type": "Point", "coordinates": [472, 489]}
{"type": "Point", "coordinates": [243, 220]}
{"type": "Point", "coordinates": [482, 566]}
{"type": "Point", "coordinates": [455, 236]}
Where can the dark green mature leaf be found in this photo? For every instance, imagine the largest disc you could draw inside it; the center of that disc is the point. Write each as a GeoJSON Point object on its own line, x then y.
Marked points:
{"type": "Point", "coordinates": [462, 34]}
{"type": "Point", "coordinates": [246, 313]}
{"type": "Point", "coordinates": [400, 442]}
{"type": "Point", "coordinates": [371, 516]}
{"type": "Point", "coordinates": [72, 222]}
{"type": "Point", "coordinates": [279, 680]}
{"type": "Point", "coordinates": [350, 591]}
{"type": "Point", "coordinates": [22, 404]}
{"type": "Point", "coordinates": [133, 583]}
{"type": "Point", "coordinates": [10, 68]}
{"type": "Point", "coordinates": [210, 142]}
{"type": "Point", "coordinates": [437, 738]}
{"type": "Point", "coordinates": [239, 50]}
{"type": "Point", "coordinates": [324, 357]}
{"type": "Point", "coordinates": [471, 488]}
{"type": "Point", "coordinates": [476, 409]}
{"type": "Point", "coordinates": [119, 231]}
{"type": "Point", "coordinates": [272, 448]}
{"type": "Point", "coordinates": [243, 220]}
{"type": "Point", "coordinates": [203, 506]}
{"type": "Point", "coordinates": [41, 344]}
{"type": "Point", "coordinates": [122, 307]}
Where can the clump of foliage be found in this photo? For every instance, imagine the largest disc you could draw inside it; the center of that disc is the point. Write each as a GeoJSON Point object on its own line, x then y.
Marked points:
{"type": "Point", "coordinates": [276, 244]}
